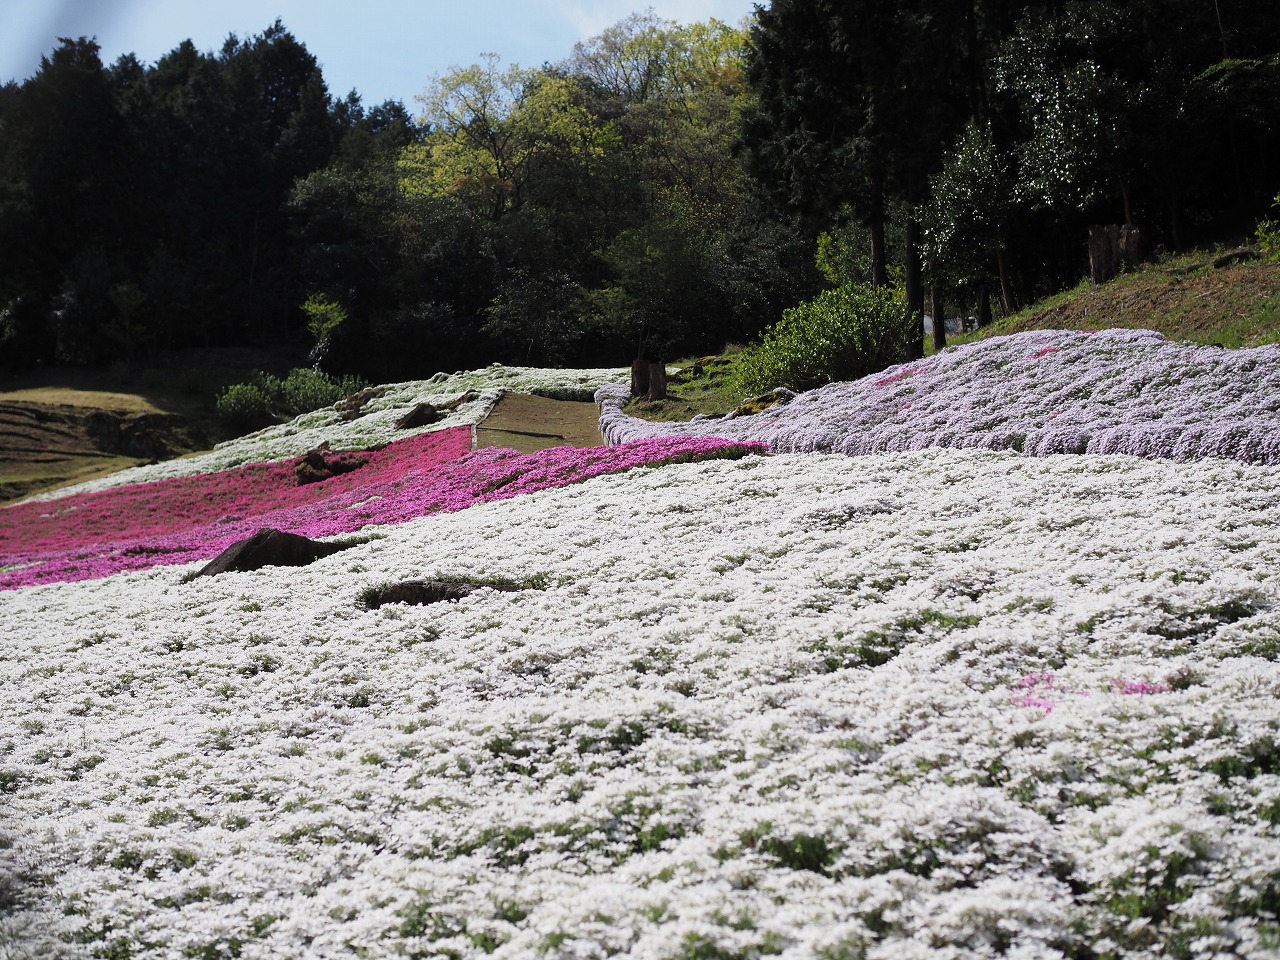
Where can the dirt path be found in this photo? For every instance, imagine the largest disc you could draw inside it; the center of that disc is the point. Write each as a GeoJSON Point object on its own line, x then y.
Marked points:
{"type": "Point", "coordinates": [528, 424]}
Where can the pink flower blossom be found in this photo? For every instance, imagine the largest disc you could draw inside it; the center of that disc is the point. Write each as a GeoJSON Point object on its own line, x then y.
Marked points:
{"type": "Point", "coordinates": [902, 374]}
{"type": "Point", "coordinates": [1137, 687]}
{"type": "Point", "coordinates": [1032, 691]}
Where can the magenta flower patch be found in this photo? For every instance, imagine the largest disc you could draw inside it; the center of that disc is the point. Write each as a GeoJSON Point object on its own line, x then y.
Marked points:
{"type": "Point", "coordinates": [1036, 690]}
{"type": "Point", "coordinates": [186, 519]}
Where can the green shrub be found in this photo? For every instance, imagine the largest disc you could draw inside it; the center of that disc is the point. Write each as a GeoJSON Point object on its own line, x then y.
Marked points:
{"type": "Point", "coordinates": [244, 406]}
{"type": "Point", "coordinates": [841, 334]}
{"type": "Point", "coordinates": [267, 399]}
{"type": "Point", "coordinates": [305, 390]}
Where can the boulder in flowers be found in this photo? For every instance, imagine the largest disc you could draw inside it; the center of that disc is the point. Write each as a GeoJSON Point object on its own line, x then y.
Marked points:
{"type": "Point", "coordinates": [422, 415]}
{"type": "Point", "coordinates": [269, 548]}
{"type": "Point", "coordinates": [320, 465]}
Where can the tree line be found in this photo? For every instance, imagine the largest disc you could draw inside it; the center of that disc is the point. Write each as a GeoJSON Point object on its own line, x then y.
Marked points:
{"type": "Point", "coordinates": [972, 142]}
{"type": "Point", "coordinates": [662, 190]}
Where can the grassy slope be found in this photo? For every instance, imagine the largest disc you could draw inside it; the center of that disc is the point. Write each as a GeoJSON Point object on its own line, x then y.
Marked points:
{"type": "Point", "coordinates": [184, 385]}
{"type": "Point", "coordinates": [702, 385]}
{"type": "Point", "coordinates": [1184, 297]}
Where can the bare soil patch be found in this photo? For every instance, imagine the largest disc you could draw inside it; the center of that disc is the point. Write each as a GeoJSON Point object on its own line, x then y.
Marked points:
{"type": "Point", "coordinates": [43, 446]}
{"type": "Point", "coordinates": [528, 424]}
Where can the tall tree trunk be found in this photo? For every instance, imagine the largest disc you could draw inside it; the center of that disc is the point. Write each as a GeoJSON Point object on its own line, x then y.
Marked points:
{"type": "Point", "coordinates": [879, 257]}
{"type": "Point", "coordinates": [1006, 288]}
{"type": "Point", "coordinates": [984, 306]}
{"type": "Point", "coordinates": [915, 289]}
{"type": "Point", "coordinates": [879, 268]}
{"type": "Point", "coordinates": [939, 320]}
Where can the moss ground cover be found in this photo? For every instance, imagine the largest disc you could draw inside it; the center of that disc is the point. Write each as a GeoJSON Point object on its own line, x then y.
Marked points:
{"type": "Point", "coordinates": [1038, 393]}
{"type": "Point", "coordinates": [794, 704]}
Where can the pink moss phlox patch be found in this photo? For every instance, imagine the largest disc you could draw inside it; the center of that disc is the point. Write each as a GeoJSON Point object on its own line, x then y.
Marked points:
{"type": "Point", "coordinates": [1033, 691]}
{"type": "Point", "coordinates": [133, 513]}
{"type": "Point", "coordinates": [1041, 690]}
{"type": "Point", "coordinates": [193, 518]}
{"type": "Point", "coordinates": [902, 374]}
{"type": "Point", "coordinates": [1137, 688]}
{"type": "Point", "coordinates": [1044, 352]}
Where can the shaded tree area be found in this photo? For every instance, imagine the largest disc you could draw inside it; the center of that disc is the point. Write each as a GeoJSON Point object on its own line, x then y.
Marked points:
{"type": "Point", "coordinates": [661, 191]}
{"type": "Point", "coordinates": [143, 207]}
{"type": "Point", "coordinates": [578, 213]}
{"type": "Point", "coordinates": [575, 213]}
{"type": "Point", "coordinates": [985, 136]}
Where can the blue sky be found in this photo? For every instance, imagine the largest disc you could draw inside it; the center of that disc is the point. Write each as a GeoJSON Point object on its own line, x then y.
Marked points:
{"type": "Point", "coordinates": [385, 49]}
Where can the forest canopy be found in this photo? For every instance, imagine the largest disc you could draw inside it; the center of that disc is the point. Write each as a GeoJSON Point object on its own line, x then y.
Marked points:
{"type": "Point", "coordinates": [663, 189]}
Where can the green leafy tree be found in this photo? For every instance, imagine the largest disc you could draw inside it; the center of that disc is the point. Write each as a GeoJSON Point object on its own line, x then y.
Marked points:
{"type": "Point", "coordinates": [412, 271]}
{"type": "Point", "coordinates": [475, 149]}
{"type": "Point", "coordinates": [968, 214]}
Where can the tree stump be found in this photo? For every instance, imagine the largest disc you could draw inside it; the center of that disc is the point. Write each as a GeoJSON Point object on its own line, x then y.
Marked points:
{"type": "Point", "coordinates": [657, 381]}
{"type": "Point", "coordinates": [1111, 246]}
{"type": "Point", "coordinates": [639, 378]}
{"type": "Point", "coordinates": [1131, 253]}
{"type": "Point", "coordinates": [1104, 252]}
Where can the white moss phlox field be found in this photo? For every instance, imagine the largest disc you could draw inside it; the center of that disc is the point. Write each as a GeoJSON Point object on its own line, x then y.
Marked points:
{"type": "Point", "coordinates": [1041, 392]}
{"type": "Point", "coordinates": [945, 703]}
{"type": "Point", "coordinates": [928, 703]}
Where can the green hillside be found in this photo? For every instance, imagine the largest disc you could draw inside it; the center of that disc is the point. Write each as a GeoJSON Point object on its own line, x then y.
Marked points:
{"type": "Point", "coordinates": [1225, 297]}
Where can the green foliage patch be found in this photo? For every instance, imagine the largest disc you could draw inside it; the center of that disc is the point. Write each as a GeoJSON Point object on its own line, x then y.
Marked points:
{"type": "Point", "coordinates": [1268, 235]}
{"type": "Point", "coordinates": [266, 398]}
{"type": "Point", "coordinates": [840, 334]}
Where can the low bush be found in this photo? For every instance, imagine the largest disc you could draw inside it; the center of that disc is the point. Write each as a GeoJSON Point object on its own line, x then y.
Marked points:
{"type": "Point", "coordinates": [841, 334]}
{"type": "Point", "coordinates": [267, 399]}
{"type": "Point", "coordinates": [305, 390]}
{"type": "Point", "coordinates": [244, 406]}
